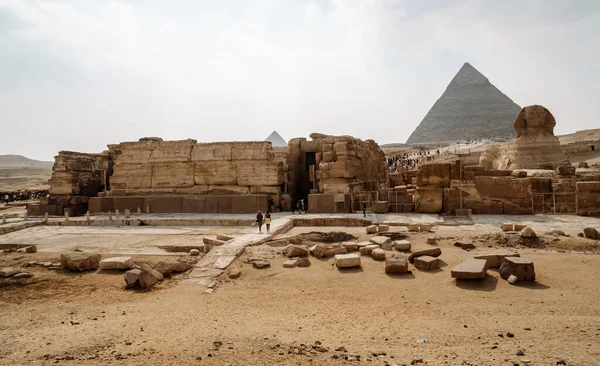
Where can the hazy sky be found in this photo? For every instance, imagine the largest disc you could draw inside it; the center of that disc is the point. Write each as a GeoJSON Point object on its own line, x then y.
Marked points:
{"type": "Point", "coordinates": [80, 74]}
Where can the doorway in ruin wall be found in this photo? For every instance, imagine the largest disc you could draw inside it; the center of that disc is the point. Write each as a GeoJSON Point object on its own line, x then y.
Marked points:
{"type": "Point", "coordinates": [303, 185]}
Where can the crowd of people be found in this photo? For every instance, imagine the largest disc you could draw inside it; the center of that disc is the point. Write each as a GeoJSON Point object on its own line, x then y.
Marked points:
{"type": "Point", "coordinates": [22, 195]}
{"type": "Point", "coordinates": [411, 161]}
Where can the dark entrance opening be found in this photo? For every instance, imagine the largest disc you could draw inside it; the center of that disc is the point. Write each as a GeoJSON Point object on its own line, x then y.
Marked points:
{"type": "Point", "coordinates": [593, 148]}
{"type": "Point", "coordinates": [303, 184]}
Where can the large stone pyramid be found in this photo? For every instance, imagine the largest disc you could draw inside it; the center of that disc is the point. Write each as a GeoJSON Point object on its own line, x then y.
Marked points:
{"type": "Point", "coordinates": [276, 140]}
{"type": "Point", "coordinates": [470, 108]}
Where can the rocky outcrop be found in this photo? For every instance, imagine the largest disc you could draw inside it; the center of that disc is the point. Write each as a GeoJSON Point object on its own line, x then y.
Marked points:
{"type": "Point", "coordinates": [470, 108]}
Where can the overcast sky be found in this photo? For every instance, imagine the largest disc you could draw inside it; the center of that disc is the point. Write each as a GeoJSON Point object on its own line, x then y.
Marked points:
{"type": "Point", "coordinates": [81, 74]}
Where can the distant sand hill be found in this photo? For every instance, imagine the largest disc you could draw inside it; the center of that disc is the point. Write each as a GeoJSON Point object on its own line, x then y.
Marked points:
{"type": "Point", "coordinates": [13, 161]}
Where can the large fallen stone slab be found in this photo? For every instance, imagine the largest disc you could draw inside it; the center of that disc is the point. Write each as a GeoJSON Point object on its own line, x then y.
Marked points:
{"type": "Point", "coordinates": [334, 250]}
{"type": "Point", "coordinates": [465, 245]}
{"type": "Point", "coordinates": [116, 263]}
{"type": "Point", "coordinates": [383, 241]}
{"type": "Point", "coordinates": [224, 237]}
{"type": "Point", "coordinates": [522, 268]}
{"type": "Point", "coordinates": [402, 245]}
{"type": "Point", "coordinates": [426, 263]}
{"type": "Point", "coordinates": [383, 228]}
{"type": "Point", "coordinates": [167, 268]}
{"type": "Point", "coordinates": [148, 277]}
{"type": "Point", "coordinates": [80, 261]}
{"type": "Point", "coordinates": [513, 227]}
{"type": "Point", "coordinates": [396, 265]}
{"type": "Point", "coordinates": [8, 272]}
{"type": "Point", "coordinates": [378, 254]}
{"type": "Point", "coordinates": [347, 260]}
{"type": "Point", "coordinates": [297, 251]}
{"type": "Point", "coordinates": [432, 252]}
{"type": "Point", "coordinates": [470, 269]}
{"type": "Point", "coordinates": [494, 260]}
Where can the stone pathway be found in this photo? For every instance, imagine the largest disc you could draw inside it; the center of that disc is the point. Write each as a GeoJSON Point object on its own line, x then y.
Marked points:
{"type": "Point", "coordinates": [219, 258]}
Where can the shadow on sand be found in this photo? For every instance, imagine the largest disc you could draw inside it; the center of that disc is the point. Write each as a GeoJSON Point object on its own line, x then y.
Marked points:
{"type": "Point", "coordinates": [488, 283]}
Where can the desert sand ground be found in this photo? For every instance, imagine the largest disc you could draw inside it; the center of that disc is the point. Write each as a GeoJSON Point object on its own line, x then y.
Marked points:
{"type": "Point", "coordinates": [316, 315]}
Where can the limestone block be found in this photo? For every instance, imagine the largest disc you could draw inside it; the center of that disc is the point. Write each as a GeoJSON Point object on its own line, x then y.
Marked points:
{"type": "Point", "coordinates": [350, 246]}
{"type": "Point", "coordinates": [215, 173]}
{"type": "Point", "coordinates": [335, 251]}
{"type": "Point", "coordinates": [383, 228]}
{"type": "Point", "coordinates": [527, 232]}
{"type": "Point", "coordinates": [290, 263]}
{"type": "Point", "coordinates": [226, 190]}
{"type": "Point", "coordinates": [378, 254]}
{"type": "Point", "coordinates": [396, 265]}
{"type": "Point", "coordinates": [470, 269]}
{"type": "Point", "coordinates": [522, 268]}
{"type": "Point", "coordinates": [347, 260]}
{"type": "Point", "coordinates": [116, 263]}
{"type": "Point", "coordinates": [319, 250]}
{"type": "Point", "coordinates": [254, 150]}
{"type": "Point", "coordinates": [297, 251]}
{"type": "Point", "coordinates": [591, 233]}
{"type": "Point", "coordinates": [366, 250]}
{"type": "Point", "coordinates": [426, 263]}
{"type": "Point", "coordinates": [430, 199]}
{"type": "Point", "coordinates": [80, 261]}
{"type": "Point", "coordinates": [212, 242]}
{"type": "Point", "coordinates": [402, 245]}
{"type": "Point", "coordinates": [173, 175]}
{"type": "Point", "coordinates": [131, 277]}
{"type": "Point", "coordinates": [380, 240]}
{"type": "Point", "coordinates": [70, 161]}
{"type": "Point", "coordinates": [259, 173]}
{"type": "Point", "coordinates": [565, 170]}
{"type": "Point", "coordinates": [148, 277]}
{"type": "Point", "coordinates": [494, 260]}
{"type": "Point", "coordinates": [224, 238]}
{"type": "Point", "coordinates": [171, 151]}
{"type": "Point", "coordinates": [431, 240]}
{"type": "Point", "coordinates": [214, 151]}
{"type": "Point", "coordinates": [273, 190]}
{"type": "Point", "coordinates": [434, 175]}
{"type": "Point", "coordinates": [372, 229]}
{"type": "Point", "coordinates": [131, 176]}
{"type": "Point", "coordinates": [432, 252]}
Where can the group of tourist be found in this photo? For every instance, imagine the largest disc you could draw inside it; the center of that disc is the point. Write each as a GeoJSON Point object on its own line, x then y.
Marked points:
{"type": "Point", "coordinates": [261, 219]}
{"type": "Point", "coordinates": [23, 195]}
{"type": "Point", "coordinates": [411, 161]}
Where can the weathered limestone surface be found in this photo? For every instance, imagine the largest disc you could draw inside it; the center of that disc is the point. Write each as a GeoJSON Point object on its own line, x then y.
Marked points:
{"type": "Point", "coordinates": [470, 269]}
{"type": "Point", "coordinates": [426, 263]}
{"type": "Point", "coordinates": [494, 260]}
{"type": "Point", "coordinates": [80, 261]}
{"type": "Point", "coordinates": [396, 265]}
{"type": "Point", "coordinates": [522, 268]}
{"type": "Point", "coordinates": [347, 260]}
{"type": "Point", "coordinates": [116, 263]}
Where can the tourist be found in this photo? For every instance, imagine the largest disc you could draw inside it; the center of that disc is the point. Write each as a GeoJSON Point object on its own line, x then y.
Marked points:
{"type": "Point", "coordinates": [282, 205]}
{"type": "Point", "coordinates": [364, 209]}
{"type": "Point", "coordinates": [268, 221]}
{"type": "Point", "coordinates": [259, 220]}
{"type": "Point", "coordinates": [299, 207]}
{"type": "Point", "coordinates": [271, 205]}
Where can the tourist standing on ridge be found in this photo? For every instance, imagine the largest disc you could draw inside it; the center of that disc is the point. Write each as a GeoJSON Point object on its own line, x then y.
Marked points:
{"type": "Point", "coordinates": [268, 221]}
{"type": "Point", "coordinates": [259, 220]}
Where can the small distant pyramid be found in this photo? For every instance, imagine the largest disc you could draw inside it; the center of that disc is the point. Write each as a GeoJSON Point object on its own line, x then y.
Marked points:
{"type": "Point", "coordinates": [470, 108]}
{"type": "Point", "coordinates": [276, 140]}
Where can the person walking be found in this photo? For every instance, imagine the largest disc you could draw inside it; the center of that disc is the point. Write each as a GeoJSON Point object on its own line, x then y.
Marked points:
{"type": "Point", "coordinates": [282, 205]}
{"type": "Point", "coordinates": [364, 209]}
{"type": "Point", "coordinates": [259, 220]}
{"type": "Point", "coordinates": [268, 222]}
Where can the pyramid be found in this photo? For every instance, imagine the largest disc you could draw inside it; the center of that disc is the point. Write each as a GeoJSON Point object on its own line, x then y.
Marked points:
{"type": "Point", "coordinates": [470, 108]}
{"type": "Point", "coordinates": [276, 140]}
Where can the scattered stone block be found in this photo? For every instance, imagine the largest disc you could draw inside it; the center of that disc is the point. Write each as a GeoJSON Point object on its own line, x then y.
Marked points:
{"type": "Point", "coordinates": [148, 277]}
{"type": "Point", "coordinates": [426, 263]}
{"type": "Point", "coordinates": [350, 246]}
{"type": "Point", "coordinates": [494, 260]}
{"type": "Point", "coordinates": [432, 252]}
{"type": "Point", "coordinates": [366, 250]}
{"type": "Point", "coordinates": [432, 240]}
{"type": "Point", "coordinates": [396, 265]}
{"type": "Point", "coordinates": [413, 227]}
{"type": "Point", "coordinates": [261, 264]}
{"type": "Point", "coordinates": [513, 227]}
{"type": "Point", "coordinates": [591, 233]}
{"type": "Point", "coordinates": [194, 252]}
{"type": "Point", "coordinates": [555, 233]}
{"type": "Point", "coordinates": [319, 251]}
{"type": "Point", "coordinates": [464, 245]}
{"type": "Point", "coordinates": [521, 267]}
{"type": "Point", "coordinates": [8, 272]}
{"type": "Point", "coordinates": [528, 233]}
{"type": "Point", "coordinates": [378, 254]}
{"type": "Point", "coordinates": [297, 251]}
{"type": "Point", "coordinates": [168, 268]}
{"type": "Point", "coordinates": [512, 279]}
{"type": "Point", "coordinates": [347, 260]}
{"type": "Point", "coordinates": [335, 250]}
{"type": "Point", "coordinates": [224, 237]}
{"type": "Point", "coordinates": [583, 164]}
{"type": "Point", "coordinates": [380, 240]}
{"type": "Point", "coordinates": [80, 261]}
{"type": "Point", "coordinates": [565, 170]}
{"type": "Point", "coordinates": [470, 269]}
{"type": "Point", "coordinates": [292, 263]}
{"type": "Point", "coordinates": [402, 245]}
{"type": "Point", "coordinates": [303, 262]}
{"type": "Point", "coordinates": [29, 249]}
{"type": "Point", "coordinates": [131, 277]}
{"type": "Point", "coordinates": [371, 229]}
{"type": "Point", "coordinates": [425, 227]}
{"type": "Point", "coordinates": [116, 263]}
{"type": "Point", "coordinates": [383, 228]}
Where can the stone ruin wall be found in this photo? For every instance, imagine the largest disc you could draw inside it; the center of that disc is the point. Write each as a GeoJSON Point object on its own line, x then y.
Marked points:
{"type": "Point", "coordinates": [343, 165]}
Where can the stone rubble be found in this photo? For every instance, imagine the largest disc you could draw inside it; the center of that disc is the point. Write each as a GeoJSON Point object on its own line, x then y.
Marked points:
{"type": "Point", "coordinates": [378, 254]}
{"type": "Point", "coordinates": [80, 261]}
{"type": "Point", "coordinates": [470, 269]}
{"type": "Point", "coordinates": [347, 260]}
{"type": "Point", "coordinates": [426, 263]}
{"type": "Point", "coordinates": [522, 268]}
{"type": "Point", "coordinates": [116, 263]}
{"type": "Point", "coordinates": [148, 277]}
{"type": "Point", "coordinates": [396, 265]}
